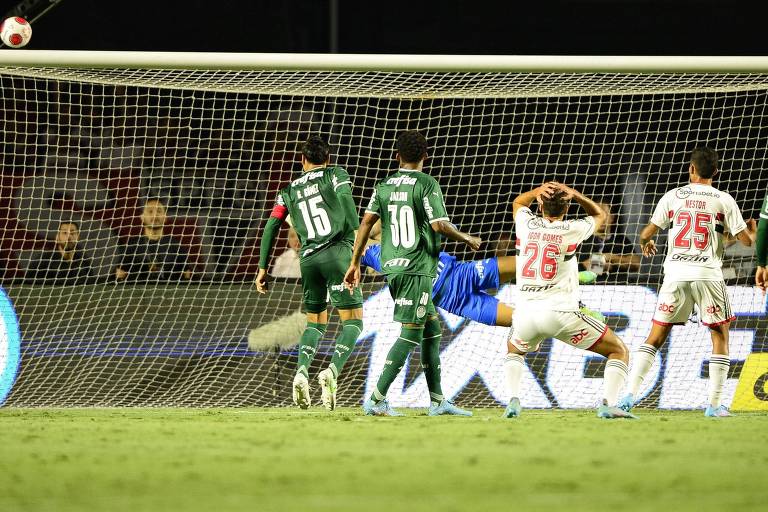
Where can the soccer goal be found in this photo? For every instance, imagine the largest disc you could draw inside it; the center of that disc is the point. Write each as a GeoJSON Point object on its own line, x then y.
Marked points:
{"type": "Point", "coordinates": [91, 138]}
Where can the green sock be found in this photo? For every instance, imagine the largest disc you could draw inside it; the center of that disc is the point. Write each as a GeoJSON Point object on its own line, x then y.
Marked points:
{"type": "Point", "coordinates": [408, 340]}
{"type": "Point", "coordinates": [430, 358]}
{"type": "Point", "coordinates": [308, 346]}
{"type": "Point", "coordinates": [350, 330]}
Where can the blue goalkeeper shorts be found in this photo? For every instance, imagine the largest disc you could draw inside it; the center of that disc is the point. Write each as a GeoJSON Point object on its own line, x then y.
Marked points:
{"type": "Point", "coordinates": [462, 290]}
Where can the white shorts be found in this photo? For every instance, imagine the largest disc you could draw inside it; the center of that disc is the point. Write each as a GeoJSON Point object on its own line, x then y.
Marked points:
{"type": "Point", "coordinates": [572, 327]}
{"type": "Point", "coordinates": [676, 300]}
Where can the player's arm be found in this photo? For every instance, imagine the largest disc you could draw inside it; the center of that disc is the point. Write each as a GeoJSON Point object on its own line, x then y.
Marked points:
{"type": "Point", "coordinates": [343, 191]}
{"type": "Point", "coordinates": [276, 219]}
{"type": "Point", "coordinates": [629, 261]}
{"type": "Point", "coordinates": [525, 199]}
{"type": "Point", "coordinates": [352, 276]}
{"type": "Point", "coordinates": [761, 249]}
{"type": "Point", "coordinates": [448, 230]}
{"type": "Point", "coordinates": [647, 243]}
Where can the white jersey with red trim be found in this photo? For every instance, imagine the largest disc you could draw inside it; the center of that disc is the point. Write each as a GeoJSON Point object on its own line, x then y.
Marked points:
{"type": "Point", "coordinates": [547, 270]}
{"type": "Point", "coordinates": [698, 217]}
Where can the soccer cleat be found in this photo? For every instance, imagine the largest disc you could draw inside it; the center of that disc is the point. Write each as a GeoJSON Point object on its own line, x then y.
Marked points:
{"type": "Point", "coordinates": [327, 388]}
{"type": "Point", "coordinates": [608, 412]}
{"type": "Point", "coordinates": [371, 408]}
{"type": "Point", "coordinates": [587, 277]}
{"type": "Point", "coordinates": [301, 391]}
{"type": "Point", "coordinates": [627, 402]}
{"type": "Point", "coordinates": [720, 411]}
{"type": "Point", "coordinates": [447, 408]}
{"type": "Point", "coordinates": [513, 410]}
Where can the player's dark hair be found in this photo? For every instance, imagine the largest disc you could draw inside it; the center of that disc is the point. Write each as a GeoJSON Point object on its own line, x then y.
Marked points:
{"type": "Point", "coordinates": [556, 205]}
{"type": "Point", "coordinates": [316, 150]}
{"type": "Point", "coordinates": [153, 199]}
{"type": "Point", "coordinates": [77, 225]}
{"type": "Point", "coordinates": [411, 146]}
{"type": "Point", "coordinates": [704, 159]}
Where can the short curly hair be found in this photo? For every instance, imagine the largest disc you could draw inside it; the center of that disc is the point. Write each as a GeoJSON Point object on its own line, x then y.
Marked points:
{"type": "Point", "coordinates": [704, 159]}
{"type": "Point", "coordinates": [556, 205]}
{"type": "Point", "coordinates": [316, 150]}
{"type": "Point", "coordinates": [411, 146]}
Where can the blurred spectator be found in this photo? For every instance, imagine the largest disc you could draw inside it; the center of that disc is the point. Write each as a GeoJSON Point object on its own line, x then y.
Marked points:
{"type": "Point", "coordinates": [67, 264]}
{"type": "Point", "coordinates": [155, 255]}
{"type": "Point", "coordinates": [609, 253]}
{"type": "Point", "coordinates": [287, 264]}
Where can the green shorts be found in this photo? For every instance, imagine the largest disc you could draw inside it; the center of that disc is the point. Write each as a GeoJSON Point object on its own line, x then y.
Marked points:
{"type": "Point", "coordinates": [322, 276]}
{"type": "Point", "coordinates": [413, 298]}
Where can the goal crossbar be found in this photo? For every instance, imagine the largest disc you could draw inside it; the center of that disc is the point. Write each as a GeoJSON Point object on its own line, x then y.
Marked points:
{"type": "Point", "coordinates": [371, 62]}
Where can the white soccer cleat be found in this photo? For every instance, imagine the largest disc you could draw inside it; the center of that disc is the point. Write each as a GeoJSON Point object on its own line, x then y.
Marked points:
{"type": "Point", "coordinates": [301, 391]}
{"type": "Point", "coordinates": [328, 388]}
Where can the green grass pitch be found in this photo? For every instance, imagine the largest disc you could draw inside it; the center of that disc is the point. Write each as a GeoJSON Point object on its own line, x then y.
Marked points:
{"type": "Point", "coordinates": [287, 459]}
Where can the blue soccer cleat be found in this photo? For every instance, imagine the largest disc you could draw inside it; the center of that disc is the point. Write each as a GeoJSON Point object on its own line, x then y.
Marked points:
{"type": "Point", "coordinates": [720, 411]}
{"type": "Point", "coordinates": [608, 412]}
{"type": "Point", "coordinates": [447, 408]}
{"type": "Point", "coordinates": [513, 410]}
{"type": "Point", "coordinates": [627, 402]}
{"type": "Point", "coordinates": [371, 408]}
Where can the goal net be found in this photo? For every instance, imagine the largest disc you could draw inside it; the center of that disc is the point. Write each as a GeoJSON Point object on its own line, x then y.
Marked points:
{"type": "Point", "coordinates": [88, 144]}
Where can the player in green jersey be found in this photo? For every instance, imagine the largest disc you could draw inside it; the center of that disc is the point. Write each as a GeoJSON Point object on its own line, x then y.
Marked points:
{"type": "Point", "coordinates": [410, 205]}
{"type": "Point", "coordinates": [325, 218]}
{"type": "Point", "coordinates": [761, 242]}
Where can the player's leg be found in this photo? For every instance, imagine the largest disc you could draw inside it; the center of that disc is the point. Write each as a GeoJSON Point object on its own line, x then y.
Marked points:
{"type": "Point", "coordinates": [716, 313]}
{"type": "Point", "coordinates": [350, 306]}
{"type": "Point", "coordinates": [430, 361]}
{"type": "Point", "coordinates": [315, 295]}
{"type": "Point", "coordinates": [408, 293]}
{"type": "Point", "coordinates": [719, 364]}
{"type": "Point", "coordinates": [507, 268]}
{"type": "Point", "coordinates": [587, 333]}
{"type": "Point", "coordinates": [524, 337]}
{"type": "Point", "coordinates": [616, 368]}
{"type": "Point", "coordinates": [673, 308]}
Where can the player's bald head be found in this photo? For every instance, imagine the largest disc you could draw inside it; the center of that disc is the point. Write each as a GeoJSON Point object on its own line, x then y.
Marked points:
{"type": "Point", "coordinates": [411, 146]}
{"type": "Point", "coordinates": [704, 160]}
{"type": "Point", "coordinates": [315, 150]}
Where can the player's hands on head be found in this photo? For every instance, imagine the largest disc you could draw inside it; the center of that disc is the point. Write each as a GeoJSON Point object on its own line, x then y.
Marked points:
{"type": "Point", "coordinates": [568, 191]}
{"type": "Point", "coordinates": [473, 242]}
{"type": "Point", "coordinates": [261, 281]}
{"type": "Point", "coordinates": [761, 278]}
{"type": "Point", "coordinates": [649, 249]}
{"type": "Point", "coordinates": [547, 190]}
{"type": "Point", "coordinates": [352, 278]}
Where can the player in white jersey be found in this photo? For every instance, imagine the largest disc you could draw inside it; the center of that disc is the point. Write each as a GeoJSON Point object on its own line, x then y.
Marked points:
{"type": "Point", "coordinates": [699, 218]}
{"type": "Point", "coordinates": [548, 300]}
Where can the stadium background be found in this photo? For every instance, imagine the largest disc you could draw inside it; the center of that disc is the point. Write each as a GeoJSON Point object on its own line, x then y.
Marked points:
{"type": "Point", "coordinates": [220, 189]}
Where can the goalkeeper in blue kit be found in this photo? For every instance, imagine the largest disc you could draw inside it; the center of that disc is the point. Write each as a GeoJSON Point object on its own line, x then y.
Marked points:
{"type": "Point", "coordinates": [460, 286]}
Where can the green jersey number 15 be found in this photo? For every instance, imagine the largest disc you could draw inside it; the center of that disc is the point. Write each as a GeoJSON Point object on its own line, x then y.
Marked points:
{"type": "Point", "coordinates": [315, 217]}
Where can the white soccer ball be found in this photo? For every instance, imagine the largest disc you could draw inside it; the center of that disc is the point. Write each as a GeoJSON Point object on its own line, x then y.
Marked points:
{"type": "Point", "coordinates": [15, 32]}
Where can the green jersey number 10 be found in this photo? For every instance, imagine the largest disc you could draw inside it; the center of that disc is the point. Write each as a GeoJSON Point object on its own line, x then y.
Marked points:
{"type": "Point", "coordinates": [402, 226]}
{"type": "Point", "coordinates": [315, 217]}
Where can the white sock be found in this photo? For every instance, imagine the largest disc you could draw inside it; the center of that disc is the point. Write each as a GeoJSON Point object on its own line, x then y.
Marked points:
{"type": "Point", "coordinates": [644, 357]}
{"type": "Point", "coordinates": [614, 377]}
{"type": "Point", "coordinates": [514, 364]}
{"type": "Point", "coordinates": [718, 372]}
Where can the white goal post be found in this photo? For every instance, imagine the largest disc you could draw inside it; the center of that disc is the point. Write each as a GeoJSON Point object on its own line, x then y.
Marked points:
{"type": "Point", "coordinates": [89, 137]}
